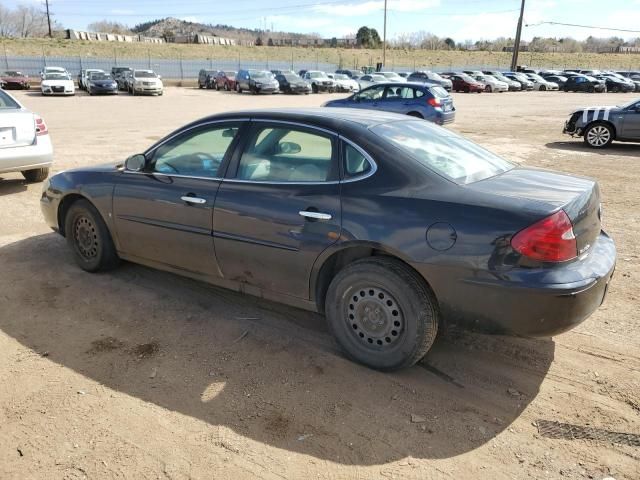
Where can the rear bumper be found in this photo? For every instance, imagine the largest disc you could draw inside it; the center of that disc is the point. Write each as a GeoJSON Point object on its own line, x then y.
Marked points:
{"type": "Point", "coordinates": [528, 307]}
{"type": "Point", "coordinates": [17, 159]}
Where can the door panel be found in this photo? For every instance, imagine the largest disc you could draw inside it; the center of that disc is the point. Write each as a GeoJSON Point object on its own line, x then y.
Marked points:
{"type": "Point", "coordinates": [265, 228]}
{"type": "Point", "coordinates": [631, 125]}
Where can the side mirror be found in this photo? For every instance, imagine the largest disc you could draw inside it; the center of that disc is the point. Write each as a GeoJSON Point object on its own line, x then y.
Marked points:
{"type": "Point", "coordinates": [289, 148]}
{"type": "Point", "coordinates": [135, 163]}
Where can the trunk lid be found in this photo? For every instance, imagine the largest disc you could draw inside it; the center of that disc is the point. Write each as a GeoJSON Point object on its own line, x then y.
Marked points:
{"type": "Point", "coordinates": [17, 129]}
{"type": "Point", "coordinates": [579, 197]}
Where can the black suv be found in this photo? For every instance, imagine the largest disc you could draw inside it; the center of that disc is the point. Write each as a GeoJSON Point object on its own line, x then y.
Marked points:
{"type": "Point", "coordinates": [118, 74]}
{"type": "Point", "coordinates": [205, 78]}
{"type": "Point", "coordinates": [583, 83]}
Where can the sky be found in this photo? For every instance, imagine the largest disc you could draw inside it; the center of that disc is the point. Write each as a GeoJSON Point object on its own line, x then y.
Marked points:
{"type": "Point", "coordinates": [459, 19]}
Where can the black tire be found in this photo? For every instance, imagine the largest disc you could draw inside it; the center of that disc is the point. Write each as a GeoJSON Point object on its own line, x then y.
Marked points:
{"type": "Point", "coordinates": [591, 89]}
{"type": "Point", "coordinates": [543, 88]}
{"type": "Point", "coordinates": [396, 319]}
{"type": "Point", "coordinates": [217, 87]}
{"type": "Point", "coordinates": [598, 135]}
{"type": "Point", "coordinates": [467, 90]}
{"type": "Point", "coordinates": [88, 237]}
{"type": "Point", "coordinates": [415, 114]}
{"type": "Point", "coordinates": [487, 89]}
{"type": "Point", "coordinates": [314, 88]}
{"type": "Point", "coordinates": [238, 89]}
{"type": "Point", "coordinates": [35, 175]}
{"type": "Point", "coordinates": [200, 86]}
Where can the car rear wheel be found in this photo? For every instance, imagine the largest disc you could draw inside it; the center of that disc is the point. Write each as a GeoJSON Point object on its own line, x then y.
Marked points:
{"type": "Point", "coordinates": [382, 313]}
{"type": "Point", "coordinates": [89, 238]}
{"type": "Point", "coordinates": [415, 114]}
{"type": "Point", "coordinates": [598, 135]}
{"type": "Point", "coordinates": [488, 89]}
{"type": "Point", "coordinates": [467, 90]}
{"type": "Point", "coordinates": [35, 175]}
{"type": "Point", "coordinates": [591, 89]}
{"type": "Point", "coordinates": [238, 89]}
{"type": "Point", "coordinates": [543, 88]}
{"type": "Point", "coordinates": [314, 88]}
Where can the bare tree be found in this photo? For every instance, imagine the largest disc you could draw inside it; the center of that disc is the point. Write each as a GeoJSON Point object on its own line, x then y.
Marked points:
{"type": "Point", "coordinates": [106, 26]}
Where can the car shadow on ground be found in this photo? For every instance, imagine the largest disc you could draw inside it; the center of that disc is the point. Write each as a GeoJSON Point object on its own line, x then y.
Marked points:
{"type": "Point", "coordinates": [9, 186]}
{"type": "Point", "coordinates": [270, 373]}
{"type": "Point", "coordinates": [622, 149]}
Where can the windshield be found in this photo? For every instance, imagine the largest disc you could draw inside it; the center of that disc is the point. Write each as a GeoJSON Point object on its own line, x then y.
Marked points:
{"type": "Point", "coordinates": [318, 75]}
{"type": "Point", "coordinates": [499, 76]}
{"type": "Point", "coordinates": [535, 77]}
{"type": "Point", "coordinates": [447, 154]}
{"type": "Point", "coordinates": [390, 74]}
{"type": "Point", "coordinates": [466, 77]}
{"type": "Point", "coordinates": [230, 74]}
{"type": "Point", "coordinates": [99, 76]}
{"type": "Point", "coordinates": [12, 74]}
{"type": "Point", "coordinates": [56, 76]}
{"type": "Point", "coordinates": [434, 76]}
{"type": "Point", "coordinates": [144, 74]}
{"type": "Point", "coordinates": [291, 77]}
{"type": "Point", "coordinates": [7, 102]}
{"type": "Point", "coordinates": [262, 75]}
{"type": "Point", "coordinates": [341, 76]}
{"type": "Point", "coordinates": [631, 103]}
{"type": "Point", "coordinates": [377, 78]}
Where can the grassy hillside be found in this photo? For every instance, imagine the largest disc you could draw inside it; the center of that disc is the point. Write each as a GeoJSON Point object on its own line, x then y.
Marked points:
{"type": "Point", "coordinates": [347, 57]}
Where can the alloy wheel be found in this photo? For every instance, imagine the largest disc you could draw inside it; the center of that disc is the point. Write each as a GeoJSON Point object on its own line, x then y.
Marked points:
{"type": "Point", "coordinates": [86, 237]}
{"type": "Point", "coordinates": [598, 136]}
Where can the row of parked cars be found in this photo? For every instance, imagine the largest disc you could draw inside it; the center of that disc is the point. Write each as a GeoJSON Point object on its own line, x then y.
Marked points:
{"type": "Point", "coordinates": [579, 80]}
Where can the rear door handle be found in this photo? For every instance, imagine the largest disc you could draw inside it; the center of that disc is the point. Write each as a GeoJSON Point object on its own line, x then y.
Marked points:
{"type": "Point", "coordinates": [315, 215]}
{"type": "Point", "coordinates": [194, 200]}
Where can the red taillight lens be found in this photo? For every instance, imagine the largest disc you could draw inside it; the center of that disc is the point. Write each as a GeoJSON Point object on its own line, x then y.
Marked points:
{"type": "Point", "coordinates": [549, 240]}
{"type": "Point", "coordinates": [434, 102]}
{"type": "Point", "coordinates": [41, 127]}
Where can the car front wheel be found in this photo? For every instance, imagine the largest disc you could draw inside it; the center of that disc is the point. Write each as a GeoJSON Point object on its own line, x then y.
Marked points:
{"type": "Point", "coordinates": [382, 313]}
{"type": "Point", "coordinates": [89, 238]}
{"type": "Point", "coordinates": [598, 135]}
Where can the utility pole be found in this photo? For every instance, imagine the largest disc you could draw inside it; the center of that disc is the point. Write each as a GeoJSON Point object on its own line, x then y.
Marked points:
{"type": "Point", "coordinates": [516, 45]}
{"type": "Point", "coordinates": [384, 36]}
{"type": "Point", "coordinates": [48, 18]}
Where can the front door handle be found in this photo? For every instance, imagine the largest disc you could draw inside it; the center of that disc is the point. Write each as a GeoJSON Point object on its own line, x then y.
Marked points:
{"type": "Point", "coordinates": [315, 215]}
{"type": "Point", "coordinates": [194, 200]}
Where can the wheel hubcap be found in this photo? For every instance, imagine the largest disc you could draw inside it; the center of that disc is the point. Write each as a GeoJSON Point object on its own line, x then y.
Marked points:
{"type": "Point", "coordinates": [374, 317]}
{"type": "Point", "coordinates": [598, 136]}
{"type": "Point", "coordinates": [86, 237]}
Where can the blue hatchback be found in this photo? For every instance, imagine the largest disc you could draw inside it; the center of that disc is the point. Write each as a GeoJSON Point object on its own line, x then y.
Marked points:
{"type": "Point", "coordinates": [430, 102]}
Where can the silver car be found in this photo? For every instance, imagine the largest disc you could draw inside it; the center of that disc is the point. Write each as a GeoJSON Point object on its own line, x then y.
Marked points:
{"type": "Point", "coordinates": [25, 145]}
{"type": "Point", "coordinates": [491, 83]}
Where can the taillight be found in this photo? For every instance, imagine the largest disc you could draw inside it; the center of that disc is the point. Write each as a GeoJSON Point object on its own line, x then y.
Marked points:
{"type": "Point", "coordinates": [549, 240]}
{"type": "Point", "coordinates": [41, 127]}
{"type": "Point", "coordinates": [434, 102]}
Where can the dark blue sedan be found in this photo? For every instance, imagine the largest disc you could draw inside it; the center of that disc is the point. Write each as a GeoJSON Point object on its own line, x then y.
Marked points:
{"type": "Point", "coordinates": [430, 102]}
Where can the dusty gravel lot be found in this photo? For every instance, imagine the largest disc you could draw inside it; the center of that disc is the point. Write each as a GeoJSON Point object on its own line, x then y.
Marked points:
{"type": "Point", "coordinates": [141, 374]}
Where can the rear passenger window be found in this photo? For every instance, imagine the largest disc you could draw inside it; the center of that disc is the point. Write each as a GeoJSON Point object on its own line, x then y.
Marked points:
{"type": "Point", "coordinates": [355, 163]}
{"type": "Point", "coordinates": [287, 155]}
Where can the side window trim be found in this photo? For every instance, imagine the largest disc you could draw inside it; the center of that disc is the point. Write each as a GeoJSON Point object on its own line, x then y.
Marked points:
{"type": "Point", "coordinates": [234, 162]}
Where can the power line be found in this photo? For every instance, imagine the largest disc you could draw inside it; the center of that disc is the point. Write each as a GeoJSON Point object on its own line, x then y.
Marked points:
{"type": "Point", "coordinates": [582, 26]}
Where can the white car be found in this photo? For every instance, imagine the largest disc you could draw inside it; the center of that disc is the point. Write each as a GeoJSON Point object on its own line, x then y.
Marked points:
{"type": "Point", "coordinates": [145, 82]}
{"type": "Point", "coordinates": [492, 84]}
{"type": "Point", "coordinates": [392, 77]}
{"type": "Point", "coordinates": [540, 83]}
{"type": "Point", "coordinates": [52, 70]}
{"type": "Point", "coordinates": [25, 145]}
{"type": "Point", "coordinates": [344, 83]}
{"type": "Point", "coordinates": [57, 84]}
{"type": "Point", "coordinates": [371, 79]}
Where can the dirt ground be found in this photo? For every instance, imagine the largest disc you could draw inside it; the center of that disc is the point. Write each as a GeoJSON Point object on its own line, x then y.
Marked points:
{"type": "Point", "coordinates": [142, 374]}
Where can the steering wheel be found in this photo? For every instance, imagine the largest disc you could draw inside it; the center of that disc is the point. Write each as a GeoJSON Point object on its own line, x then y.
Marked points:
{"type": "Point", "coordinates": [207, 156]}
{"type": "Point", "coordinates": [167, 164]}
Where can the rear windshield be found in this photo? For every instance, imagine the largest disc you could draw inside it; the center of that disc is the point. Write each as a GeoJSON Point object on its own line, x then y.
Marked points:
{"type": "Point", "coordinates": [7, 102]}
{"type": "Point", "coordinates": [442, 151]}
{"type": "Point", "coordinates": [439, 92]}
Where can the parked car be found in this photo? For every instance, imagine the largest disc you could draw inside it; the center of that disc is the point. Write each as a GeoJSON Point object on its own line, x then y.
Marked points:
{"type": "Point", "coordinates": [392, 77]}
{"type": "Point", "coordinates": [127, 80]}
{"type": "Point", "coordinates": [616, 85]}
{"type": "Point", "coordinates": [57, 83]}
{"type": "Point", "coordinates": [389, 225]}
{"type": "Point", "coordinates": [514, 86]}
{"type": "Point", "coordinates": [25, 145]}
{"type": "Point", "coordinates": [225, 80]}
{"type": "Point", "coordinates": [101, 82]}
{"type": "Point", "coordinates": [205, 78]}
{"type": "Point", "coordinates": [558, 79]}
{"type": "Point", "coordinates": [370, 79]}
{"type": "Point", "coordinates": [319, 81]}
{"type": "Point", "coordinates": [83, 77]}
{"type": "Point", "coordinates": [525, 83]}
{"type": "Point", "coordinates": [119, 75]}
{"type": "Point", "coordinates": [426, 76]}
{"type": "Point", "coordinates": [15, 79]}
{"type": "Point", "coordinates": [540, 83]}
{"type": "Point", "coordinates": [635, 79]}
{"type": "Point", "coordinates": [464, 83]}
{"type": "Point", "coordinates": [583, 83]}
{"type": "Point", "coordinates": [344, 83]}
{"type": "Point", "coordinates": [145, 82]}
{"type": "Point", "coordinates": [599, 126]}
{"type": "Point", "coordinates": [292, 83]}
{"type": "Point", "coordinates": [48, 70]}
{"type": "Point", "coordinates": [349, 73]}
{"type": "Point", "coordinates": [491, 83]}
{"type": "Point", "coordinates": [256, 81]}
{"type": "Point", "coordinates": [431, 102]}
